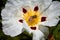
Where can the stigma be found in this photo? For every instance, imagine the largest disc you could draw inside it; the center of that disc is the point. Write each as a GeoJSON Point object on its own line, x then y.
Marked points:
{"type": "Point", "coordinates": [32, 17]}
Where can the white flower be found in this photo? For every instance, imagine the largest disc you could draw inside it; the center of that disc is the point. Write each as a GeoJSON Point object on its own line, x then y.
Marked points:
{"type": "Point", "coordinates": [30, 15]}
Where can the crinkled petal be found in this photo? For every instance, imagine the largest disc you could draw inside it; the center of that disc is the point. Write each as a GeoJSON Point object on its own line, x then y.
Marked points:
{"type": "Point", "coordinates": [46, 4]}
{"type": "Point", "coordinates": [10, 16]}
{"type": "Point", "coordinates": [42, 4]}
{"type": "Point", "coordinates": [11, 10]}
{"type": "Point", "coordinates": [38, 35]}
{"type": "Point", "coordinates": [53, 9]}
{"type": "Point", "coordinates": [15, 3]}
{"type": "Point", "coordinates": [12, 27]}
{"type": "Point", "coordinates": [52, 14]}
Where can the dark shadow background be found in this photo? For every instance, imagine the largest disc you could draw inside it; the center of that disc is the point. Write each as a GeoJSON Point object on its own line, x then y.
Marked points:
{"type": "Point", "coordinates": [25, 36]}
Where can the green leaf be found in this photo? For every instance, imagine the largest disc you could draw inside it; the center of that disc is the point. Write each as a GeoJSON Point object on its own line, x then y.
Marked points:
{"type": "Point", "coordinates": [56, 32]}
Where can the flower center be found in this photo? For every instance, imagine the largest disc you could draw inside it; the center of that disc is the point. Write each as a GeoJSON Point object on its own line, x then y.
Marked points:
{"type": "Point", "coordinates": [32, 18]}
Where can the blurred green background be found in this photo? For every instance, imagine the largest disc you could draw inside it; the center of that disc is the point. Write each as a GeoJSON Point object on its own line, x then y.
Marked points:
{"type": "Point", "coordinates": [55, 31]}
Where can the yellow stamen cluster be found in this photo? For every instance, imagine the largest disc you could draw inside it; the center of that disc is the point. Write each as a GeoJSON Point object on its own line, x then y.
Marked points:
{"type": "Point", "coordinates": [32, 17]}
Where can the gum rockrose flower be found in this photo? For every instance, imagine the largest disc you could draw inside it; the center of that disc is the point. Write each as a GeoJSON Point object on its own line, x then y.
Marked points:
{"type": "Point", "coordinates": [30, 15]}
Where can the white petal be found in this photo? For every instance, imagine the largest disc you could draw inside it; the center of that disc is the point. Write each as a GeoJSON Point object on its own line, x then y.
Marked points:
{"type": "Point", "coordinates": [44, 29]}
{"type": "Point", "coordinates": [12, 28]}
{"type": "Point", "coordinates": [37, 35]}
{"type": "Point", "coordinates": [15, 2]}
{"type": "Point", "coordinates": [43, 4]}
{"type": "Point", "coordinates": [11, 10]}
{"type": "Point", "coordinates": [27, 28]}
{"type": "Point", "coordinates": [10, 25]}
{"type": "Point", "coordinates": [46, 4]}
{"type": "Point", "coordinates": [52, 14]}
{"type": "Point", "coordinates": [50, 23]}
{"type": "Point", "coordinates": [54, 9]}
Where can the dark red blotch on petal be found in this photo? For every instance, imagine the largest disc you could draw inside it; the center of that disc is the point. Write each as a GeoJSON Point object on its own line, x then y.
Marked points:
{"type": "Point", "coordinates": [43, 19]}
{"type": "Point", "coordinates": [36, 8]}
{"type": "Point", "coordinates": [24, 10]}
{"type": "Point", "coordinates": [33, 28]}
{"type": "Point", "coordinates": [21, 20]}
